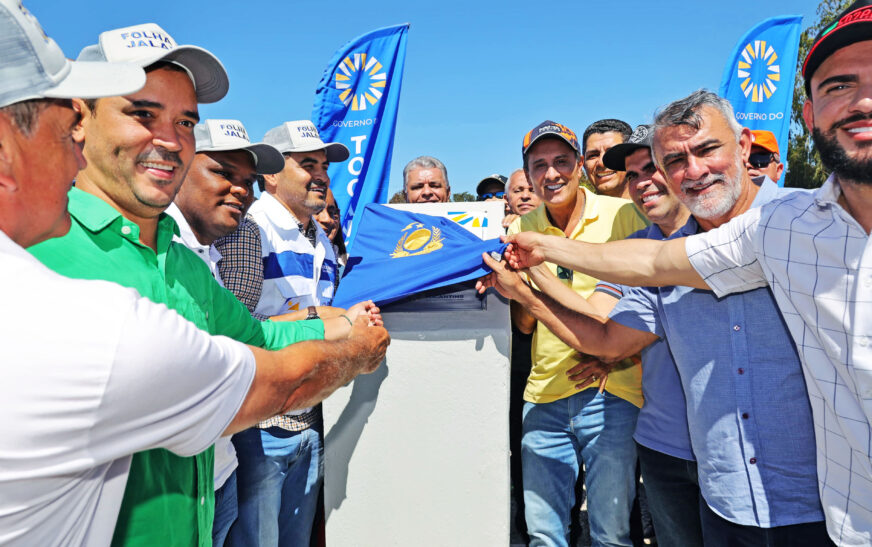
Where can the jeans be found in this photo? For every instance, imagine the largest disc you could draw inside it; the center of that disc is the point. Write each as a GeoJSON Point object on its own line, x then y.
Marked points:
{"type": "Point", "coordinates": [279, 476]}
{"type": "Point", "coordinates": [226, 510]}
{"type": "Point", "coordinates": [719, 532]}
{"type": "Point", "coordinates": [673, 497]}
{"type": "Point", "coordinates": [590, 427]}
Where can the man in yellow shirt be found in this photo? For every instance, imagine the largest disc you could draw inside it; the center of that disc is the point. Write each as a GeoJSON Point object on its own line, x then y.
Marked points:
{"type": "Point", "coordinates": [562, 425]}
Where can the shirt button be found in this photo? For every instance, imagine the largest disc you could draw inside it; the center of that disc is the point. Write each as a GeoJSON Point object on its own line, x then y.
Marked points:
{"type": "Point", "coordinates": [868, 281]}
{"type": "Point", "coordinates": [203, 499]}
{"type": "Point", "coordinates": [125, 230]}
{"type": "Point", "coordinates": [741, 371]}
{"type": "Point", "coordinates": [207, 315]}
{"type": "Point", "coordinates": [863, 341]}
{"type": "Point", "coordinates": [744, 415]}
{"type": "Point", "coordinates": [737, 328]}
{"type": "Point", "coordinates": [752, 461]}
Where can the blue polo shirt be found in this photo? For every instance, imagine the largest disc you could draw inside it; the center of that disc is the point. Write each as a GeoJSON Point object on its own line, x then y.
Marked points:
{"type": "Point", "coordinates": [662, 422]}
{"type": "Point", "coordinates": [747, 406]}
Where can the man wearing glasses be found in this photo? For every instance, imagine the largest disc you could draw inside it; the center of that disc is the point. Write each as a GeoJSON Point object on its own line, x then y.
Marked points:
{"type": "Point", "coordinates": [764, 158]}
{"type": "Point", "coordinates": [492, 188]}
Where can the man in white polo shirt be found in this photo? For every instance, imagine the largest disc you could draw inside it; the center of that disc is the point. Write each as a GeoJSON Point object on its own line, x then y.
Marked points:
{"type": "Point", "coordinates": [85, 385]}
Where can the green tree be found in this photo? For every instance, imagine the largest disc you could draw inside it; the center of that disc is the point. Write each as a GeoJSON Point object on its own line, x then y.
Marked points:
{"type": "Point", "coordinates": [804, 167]}
{"type": "Point", "coordinates": [463, 196]}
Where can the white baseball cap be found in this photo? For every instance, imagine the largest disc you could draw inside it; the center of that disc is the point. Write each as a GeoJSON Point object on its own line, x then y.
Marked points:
{"type": "Point", "coordinates": [226, 135]}
{"type": "Point", "coordinates": [302, 136]}
{"type": "Point", "coordinates": [147, 44]}
{"type": "Point", "coordinates": [32, 66]}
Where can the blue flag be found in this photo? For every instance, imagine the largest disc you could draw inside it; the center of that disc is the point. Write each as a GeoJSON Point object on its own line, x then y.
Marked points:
{"type": "Point", "coordinates": [758, 79]}
{"type": "Point", "coordinates": [356, 104]}
{"type": "Point", "coordinates": [398, 253]}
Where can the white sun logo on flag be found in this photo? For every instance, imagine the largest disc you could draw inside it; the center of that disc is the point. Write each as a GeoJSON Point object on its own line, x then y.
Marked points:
{"type": "Point", "coordinates": [762, 86]}
{"type": "Point", "coordinates": [361, 79]}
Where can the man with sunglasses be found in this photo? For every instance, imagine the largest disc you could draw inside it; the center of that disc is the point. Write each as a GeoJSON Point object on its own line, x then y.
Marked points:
{"type": "Point", "coordinates": [492, 188]}
{"type": "Point", "coordinates": [764, 158]}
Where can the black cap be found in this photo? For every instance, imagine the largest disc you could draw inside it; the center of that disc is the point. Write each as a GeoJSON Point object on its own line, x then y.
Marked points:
{"type": "Point", "coordinates": [499, 179]}
{"type": "Point", "coordinates": [852, 25]}
{"type": "Point", "coordinates": [616, 156]}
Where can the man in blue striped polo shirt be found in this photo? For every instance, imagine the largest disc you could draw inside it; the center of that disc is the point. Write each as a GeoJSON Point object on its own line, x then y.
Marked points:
{"type": "Point", "coordinates": [281, 461]}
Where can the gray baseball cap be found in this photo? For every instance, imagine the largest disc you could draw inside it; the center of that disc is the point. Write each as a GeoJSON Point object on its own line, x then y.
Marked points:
{"type": "Point", "coordinates": [616, 156]}
{"type": "Point", "coordinates": [32, 66]}
{"type": "Point", "coordinates": [226, 135]}
{"type": "Point", "coordinates": [147, 44]}
{"type": "Point", "coordinates": [302, 136]}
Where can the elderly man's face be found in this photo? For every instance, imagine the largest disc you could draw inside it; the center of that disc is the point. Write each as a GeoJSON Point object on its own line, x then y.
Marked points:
{"type": "Point", "coordinates": [215, 191]}
{"type": "Point", "coordinates": [840, 112]}
{"type": "Point", "coordinates": [705, 167]}
{"type": "Point", "coordinates": [520, 195]}
{"type": "Point", "coordinates": [605, 180]}
{"type": "Point", "coordinates": [426, 185]}
{"type": "Point", "coordinates": [43, 167]}
{"type": "Point", "coordinates": [139, 147]}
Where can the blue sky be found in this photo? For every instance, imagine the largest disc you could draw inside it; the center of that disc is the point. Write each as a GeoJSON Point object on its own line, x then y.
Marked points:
{"type": "Point", "coordinates": [478, 74]}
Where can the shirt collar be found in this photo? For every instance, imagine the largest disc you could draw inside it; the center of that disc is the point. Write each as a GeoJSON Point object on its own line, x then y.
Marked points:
{"type": "Point", "coordinates": [768, 191]}
{"type": "Point", "coordinates": [829, 193]}
{"type": "Point", "coordinates": [591, 213]}
{"type": "Point", "coordinates": [186, 236]}
{"type": "Point", "coordinates": [95, 214]}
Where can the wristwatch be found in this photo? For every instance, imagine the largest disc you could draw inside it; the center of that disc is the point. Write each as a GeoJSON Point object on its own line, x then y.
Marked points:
{"type": "Point", "coordinates": [313, 312]}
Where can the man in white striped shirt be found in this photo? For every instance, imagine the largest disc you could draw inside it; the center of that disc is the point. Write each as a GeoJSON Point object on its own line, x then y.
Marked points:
{"type": "Point", "coordinates": [281, 462]}
{"type": "Point", "coordinates": [812, 249]}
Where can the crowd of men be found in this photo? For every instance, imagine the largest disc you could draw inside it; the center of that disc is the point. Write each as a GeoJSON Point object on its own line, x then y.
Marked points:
{"type": "Point", "coordinates": [684, 312]}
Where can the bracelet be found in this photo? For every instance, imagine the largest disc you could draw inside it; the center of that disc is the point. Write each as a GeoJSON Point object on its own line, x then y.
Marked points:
{"type": "Point", "coordinates": [347, 319]}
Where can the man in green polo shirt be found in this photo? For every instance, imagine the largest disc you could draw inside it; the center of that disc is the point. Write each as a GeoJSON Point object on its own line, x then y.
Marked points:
{"type": "Point", "coordinates": [138, 149]}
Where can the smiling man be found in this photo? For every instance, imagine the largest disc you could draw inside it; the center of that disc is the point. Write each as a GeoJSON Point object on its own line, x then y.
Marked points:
{"type": "Point", "coordinates": [138, 148]}
{"type": "Point", "coordinates": [425, 180]}
{"type": "Point", "coordinates": [281, 461]}
{"type": "Point", "coordinates": [562, 424]}
{"type": "Point", "coordinates": [596, 140]}
{"type": "Point", "coordinates": [210, 205]}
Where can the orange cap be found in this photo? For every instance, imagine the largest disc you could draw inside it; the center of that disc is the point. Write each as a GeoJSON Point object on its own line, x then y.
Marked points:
{"type": "Point", "coordinates": [765, 139]}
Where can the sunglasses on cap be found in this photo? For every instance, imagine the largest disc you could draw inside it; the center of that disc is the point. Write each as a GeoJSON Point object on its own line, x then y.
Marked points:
{"type": "Point", "coordinates": [498, 195]}
{"type": "Point", "coordinates": [761, 159]}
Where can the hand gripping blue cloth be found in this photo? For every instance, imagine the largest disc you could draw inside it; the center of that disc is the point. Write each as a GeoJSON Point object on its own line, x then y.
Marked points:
{"type": "Point", "coordinates": [399, 253]}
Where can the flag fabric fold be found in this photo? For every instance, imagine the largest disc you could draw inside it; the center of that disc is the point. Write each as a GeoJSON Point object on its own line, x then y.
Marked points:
{"type": "Point", "coordinates": [759, 77]}
{"type": "Point", "coordinates": [399, 253]}
{"type": "Point", "coordinates": [356, 103]}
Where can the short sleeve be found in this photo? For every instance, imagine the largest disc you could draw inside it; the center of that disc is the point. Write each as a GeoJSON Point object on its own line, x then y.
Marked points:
{"type": "Point", "coordinates": [726, 257]}
{"type": "Point", "coordinates": [638, 310]}
{"type": "Point", "coordinates": [171, 385]}
{"type": "Point", "coordinates": [612, 289]}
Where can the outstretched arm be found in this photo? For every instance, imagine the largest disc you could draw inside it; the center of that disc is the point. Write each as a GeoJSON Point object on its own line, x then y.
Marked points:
{"type": "Point", "coordinates": [635, 262]}
{"type": "Point", "coordinates": [305, 373]}
{"type": "Point", "coordinates": [592, 334]}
